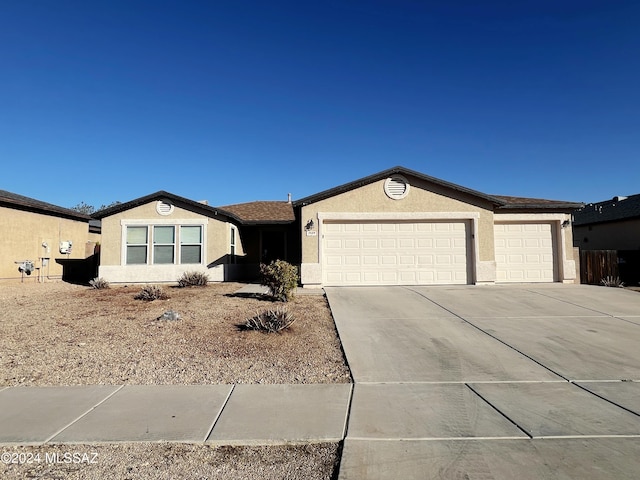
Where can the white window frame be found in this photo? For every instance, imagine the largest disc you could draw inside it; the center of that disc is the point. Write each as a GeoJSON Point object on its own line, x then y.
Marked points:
{"type": "Point", "coordinates": [233, 240]}
{"type": "Point", "coordinates": [126, 245]}
{"type": "Point", "coordinates": [150, 223]}
{"type": "Point", "coordinates": [201, 245]}
{"type": "Point", "coordinates": [154, 244]}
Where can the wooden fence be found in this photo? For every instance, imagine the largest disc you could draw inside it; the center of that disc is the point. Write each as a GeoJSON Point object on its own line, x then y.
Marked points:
{"type": "Point", "coordinates": [598, 264]}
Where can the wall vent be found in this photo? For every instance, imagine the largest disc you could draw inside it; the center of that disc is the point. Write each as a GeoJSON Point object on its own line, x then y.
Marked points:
{"type": "Point", "coordinates": [396, 187]}
{"type": "Point", "coordinates": [163, 207]}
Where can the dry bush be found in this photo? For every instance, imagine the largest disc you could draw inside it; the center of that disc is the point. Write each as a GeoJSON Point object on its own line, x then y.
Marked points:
{"type": "Point", "coordinates": [193, 279]}
{"type": "Point", "coordinates": [99, 283]}
{"type": "Point", "coordinates": [150, 293]}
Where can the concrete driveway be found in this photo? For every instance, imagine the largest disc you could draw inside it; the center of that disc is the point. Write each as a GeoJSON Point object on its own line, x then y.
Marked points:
{"type": "Point", "coordinates": [494, 382]}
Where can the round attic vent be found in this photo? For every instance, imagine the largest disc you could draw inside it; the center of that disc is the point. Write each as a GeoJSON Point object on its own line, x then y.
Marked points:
{"type": "Point", "coordinates": [163, 207]}
{"type": "Point", "coordinates": [396, 187]}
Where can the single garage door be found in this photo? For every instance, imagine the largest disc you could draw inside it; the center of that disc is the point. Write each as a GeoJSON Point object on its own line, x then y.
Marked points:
{"type": "Point", "coordinates": [395, 253]}
{"type": "Point", "coordinates": [525, 252]}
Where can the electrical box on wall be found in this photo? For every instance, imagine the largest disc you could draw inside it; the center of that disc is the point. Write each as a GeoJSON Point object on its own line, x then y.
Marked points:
{"type": "Point", "coordinates": [65, 247]}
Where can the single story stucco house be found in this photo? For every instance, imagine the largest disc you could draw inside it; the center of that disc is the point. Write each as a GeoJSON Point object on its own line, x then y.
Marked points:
{"type": "Point", "coordinates": [47, 237]}
{"type": "Point", "coordinates": [396, 227]}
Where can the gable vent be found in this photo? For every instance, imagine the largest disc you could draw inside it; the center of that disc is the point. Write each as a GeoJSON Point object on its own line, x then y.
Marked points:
{"type": "Point", "coordinates": [396, 187]}
{"type": "Point", "coordinates": [164, 208]}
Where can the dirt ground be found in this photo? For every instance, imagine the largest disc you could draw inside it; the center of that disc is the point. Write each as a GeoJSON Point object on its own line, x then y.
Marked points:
{"type": "Point", "coordinates": [62, 334]}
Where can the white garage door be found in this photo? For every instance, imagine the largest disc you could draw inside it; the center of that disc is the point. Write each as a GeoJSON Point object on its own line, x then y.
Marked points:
{"type": "Point", "coordinates": [524, 252]}
{"type": "Point", "coordinates": [395, 253]}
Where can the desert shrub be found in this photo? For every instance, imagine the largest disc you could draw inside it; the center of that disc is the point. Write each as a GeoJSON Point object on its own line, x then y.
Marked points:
{"type": "Point", "coordinates": [99, 283]}
{"type": "Point", "coordinates": [193, 279]}
{"type": "Point", "coordinates": [150, 293]}
{"type": "Point", "coordinates": [281, 278]}
{"type": "Point", "coordinates": [611, 281]}
{"type": "Point", "coordinates": [270, 321]}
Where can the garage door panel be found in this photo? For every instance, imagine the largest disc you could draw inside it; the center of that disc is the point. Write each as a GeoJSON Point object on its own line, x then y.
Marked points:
{"type": "Point", "coordinates": [389, 260]}
{"type": "Point", "coordinates": [390, 253]}
{"type": "Point", "coordinates": [524, 252]}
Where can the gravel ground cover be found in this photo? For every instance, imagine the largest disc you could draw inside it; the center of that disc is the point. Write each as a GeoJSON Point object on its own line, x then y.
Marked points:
{"type": "Point", "coordinates": [143, 461]}
{"type": "Point", "coordinates": [61, 334]}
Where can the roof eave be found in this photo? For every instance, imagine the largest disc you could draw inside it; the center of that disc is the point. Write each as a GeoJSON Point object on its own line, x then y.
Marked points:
{"type": "Point", "coordinates": [176, 199]}
{"type": "Point", "coordinates": [55, 212]}
{"type": "Point", "coordinates": [560, 207]}
{"type": "Point", "coordinates": [386, 173]}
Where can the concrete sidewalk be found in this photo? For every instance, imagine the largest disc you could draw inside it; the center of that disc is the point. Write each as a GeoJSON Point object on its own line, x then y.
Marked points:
{"type": "Point", "coordinates": [223, 414]}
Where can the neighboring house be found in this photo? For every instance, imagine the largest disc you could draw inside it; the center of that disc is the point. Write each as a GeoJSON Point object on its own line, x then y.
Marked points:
{"type": "Point", "coordinates": [396, 227]}
{"type": "Point", "coordinates": [612, 225]}
{"type": "Point", "coordinates": [49, 237]}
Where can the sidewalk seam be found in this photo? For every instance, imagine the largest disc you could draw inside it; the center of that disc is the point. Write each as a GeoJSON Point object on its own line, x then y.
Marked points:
{"type": "Point", "coordinates": [84, 414]}
{"type": "Point", "coordinates": [215, 420]}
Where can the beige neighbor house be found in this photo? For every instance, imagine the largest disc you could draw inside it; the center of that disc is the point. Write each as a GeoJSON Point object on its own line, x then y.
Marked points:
{"type": "Point", "coordinates": [40, 241]}
{"type": "Point", "coordinates": [396, 227]}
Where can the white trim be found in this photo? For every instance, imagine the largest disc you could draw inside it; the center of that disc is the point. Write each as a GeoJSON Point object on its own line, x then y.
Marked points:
{"type": "Point", "coordinates": [355, 216]}
{"type": "Point", "coordinates": [529, 217]}
{"type": "Point", "coordinates": [163, 221]}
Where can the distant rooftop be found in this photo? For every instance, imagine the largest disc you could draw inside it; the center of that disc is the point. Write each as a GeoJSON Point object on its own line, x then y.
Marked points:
{"type": "Point", "coordinates": [618, 208]}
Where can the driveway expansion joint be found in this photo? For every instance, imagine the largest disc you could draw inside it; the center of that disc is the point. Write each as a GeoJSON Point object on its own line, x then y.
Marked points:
{"type": "Point", "coordinates": [499, 411]}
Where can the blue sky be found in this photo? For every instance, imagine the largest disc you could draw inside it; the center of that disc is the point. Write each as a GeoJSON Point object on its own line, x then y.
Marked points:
{"type": "Point", "coordinates": [234, 101]}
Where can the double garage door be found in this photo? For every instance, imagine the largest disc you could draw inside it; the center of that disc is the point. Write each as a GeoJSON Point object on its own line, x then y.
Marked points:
{"type": "Point", "coordinates": [431, 252]}
{"type": "Point", "coordinates": [396, 253]}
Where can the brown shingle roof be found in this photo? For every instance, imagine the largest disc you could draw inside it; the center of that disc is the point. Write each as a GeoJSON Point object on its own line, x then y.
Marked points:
{"type": "Point", "coordinates": [262, 212]}
{"type": "Point", "coordinates": [13, 200]}
{"type": "Point", "coordinates": [511, 202]}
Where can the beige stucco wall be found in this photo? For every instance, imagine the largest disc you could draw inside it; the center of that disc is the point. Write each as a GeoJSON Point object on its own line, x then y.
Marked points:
{"type": "Point", "coordinates": [423, 198]}
{"type": "Point", "coordinates": [23, 234]}
{"type": "Point", "coordinates": [216, 232]}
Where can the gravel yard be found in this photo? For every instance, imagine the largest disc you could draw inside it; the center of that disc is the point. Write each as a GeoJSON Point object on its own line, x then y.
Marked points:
{"type": "Point", "coordinates": [176, 461]}
{"type": "Point", "coordinates": [62, 334]}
